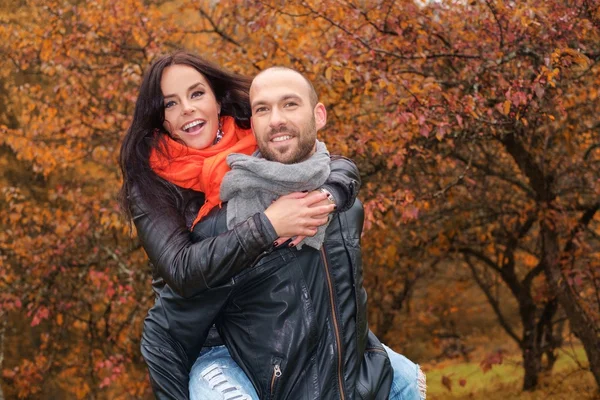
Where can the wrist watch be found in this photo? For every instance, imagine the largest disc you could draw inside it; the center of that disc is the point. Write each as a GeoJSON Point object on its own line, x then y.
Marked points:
{"type": "Point", "coordinates": [329, 195]}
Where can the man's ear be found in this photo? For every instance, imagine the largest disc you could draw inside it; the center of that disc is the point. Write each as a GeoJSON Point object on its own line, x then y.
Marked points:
{"type": "Point", "coordinates": [320, 115]}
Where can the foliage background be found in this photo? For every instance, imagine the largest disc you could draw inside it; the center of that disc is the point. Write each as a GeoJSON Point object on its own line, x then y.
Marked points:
{"type": "Point", "coordinates": [476, 128]}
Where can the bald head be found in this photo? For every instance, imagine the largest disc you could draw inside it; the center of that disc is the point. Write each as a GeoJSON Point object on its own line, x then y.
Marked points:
{"type": "Point", "coordinates": [292, 74]}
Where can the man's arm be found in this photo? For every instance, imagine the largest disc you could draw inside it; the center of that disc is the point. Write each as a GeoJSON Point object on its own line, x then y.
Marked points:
{"type": "Point", "coordinates": [343, 182]}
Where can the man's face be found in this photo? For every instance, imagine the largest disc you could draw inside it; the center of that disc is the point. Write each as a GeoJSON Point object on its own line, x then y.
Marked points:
{"type": "Point", "coordinates": [284, 122]}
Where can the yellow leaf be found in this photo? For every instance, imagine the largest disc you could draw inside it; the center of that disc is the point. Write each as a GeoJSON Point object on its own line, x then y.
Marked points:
{"type": "Point", "coordinates": [330, 53]}
{"type": "Point", "coordinates": [347, 77]}
{"type": "Point", "coordinates": [506, 107]}
{"type": "Point", "coordinates": [328, 72]}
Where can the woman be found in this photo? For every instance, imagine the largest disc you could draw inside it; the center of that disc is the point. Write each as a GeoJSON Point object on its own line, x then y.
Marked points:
{"type": "Point", "coordinates": [173, 158]}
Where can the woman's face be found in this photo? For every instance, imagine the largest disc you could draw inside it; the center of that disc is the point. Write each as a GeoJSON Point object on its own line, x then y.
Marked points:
{"type": "Point", "coordinates": [191, 109]}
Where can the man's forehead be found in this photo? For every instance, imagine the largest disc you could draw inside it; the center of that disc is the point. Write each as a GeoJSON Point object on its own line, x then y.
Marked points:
{"type": "Point", "coordinates": [270, 82]}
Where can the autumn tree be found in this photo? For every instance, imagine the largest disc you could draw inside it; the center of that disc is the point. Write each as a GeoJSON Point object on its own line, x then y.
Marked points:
{"type": "Point", "coordinates": [500, 99]}
{"type": "Point", "coordinates": [73, 282]}
{"type": "Point", "coordinates": [474, 124]}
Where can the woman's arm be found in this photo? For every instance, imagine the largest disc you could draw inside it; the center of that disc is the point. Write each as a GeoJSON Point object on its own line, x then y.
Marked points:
{"type": "Point", "coordinates": [190, 268]}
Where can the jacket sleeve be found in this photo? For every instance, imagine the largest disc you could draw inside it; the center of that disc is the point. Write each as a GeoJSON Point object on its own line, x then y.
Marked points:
{"type": "Point", "coordinates": [190, 268]}
{"type": "Point", "coordinates": [343, 182]}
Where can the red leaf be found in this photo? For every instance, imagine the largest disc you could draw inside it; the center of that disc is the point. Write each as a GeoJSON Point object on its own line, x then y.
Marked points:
{"type": "Point", "coordinates": [447, 382]}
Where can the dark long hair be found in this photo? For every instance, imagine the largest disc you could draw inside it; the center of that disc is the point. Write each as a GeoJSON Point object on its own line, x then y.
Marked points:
{"type": "Point", "coordinates": [231, 92]}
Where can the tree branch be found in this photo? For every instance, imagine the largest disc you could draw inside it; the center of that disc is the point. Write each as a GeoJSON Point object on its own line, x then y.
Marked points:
{"type": "Point", "coordinates": [495, 305]}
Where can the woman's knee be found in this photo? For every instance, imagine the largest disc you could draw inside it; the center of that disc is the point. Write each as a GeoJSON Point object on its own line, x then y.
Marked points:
{"type": "Point", "coordinates": [215, 375]}
{"type": "Point", "coordinates": [409, 381]}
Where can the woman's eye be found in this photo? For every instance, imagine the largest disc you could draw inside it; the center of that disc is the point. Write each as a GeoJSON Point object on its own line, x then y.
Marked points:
{"type": "Point", "coordinates": [197, 94]}
{"type": "Point", "coordinates": [169, 104]}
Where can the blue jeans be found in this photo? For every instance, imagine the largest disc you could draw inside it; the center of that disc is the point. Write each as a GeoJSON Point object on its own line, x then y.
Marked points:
{"type": "Point", "coordinates": [215, 376]}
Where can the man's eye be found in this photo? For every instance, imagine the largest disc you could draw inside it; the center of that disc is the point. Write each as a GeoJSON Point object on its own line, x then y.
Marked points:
{"type": "Point", "coordinates": [260, 109]}
{"type": "Point", "coordinates": [197, 94]}
{"type": "Point", "coordinates": [169, 104]}
{"type": "Point", "coordinates": [291, 104]}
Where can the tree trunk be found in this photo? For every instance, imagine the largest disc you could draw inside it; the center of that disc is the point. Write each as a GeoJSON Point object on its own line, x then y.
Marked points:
{"type": "Point", "coordinates": [2, 331]}
{"type": "Point", "coordinates": [532, 354]}
{"type": "Point", "coordinates": [585, 329]}
{"type": "Point", "coordinates": [547, 339]}
{"type": "Point", "coordinates": [532, 363]}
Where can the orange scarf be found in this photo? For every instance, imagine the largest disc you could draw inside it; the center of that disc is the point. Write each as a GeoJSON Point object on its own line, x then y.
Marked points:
{"type": "Point", "coordinates": [201, 170]}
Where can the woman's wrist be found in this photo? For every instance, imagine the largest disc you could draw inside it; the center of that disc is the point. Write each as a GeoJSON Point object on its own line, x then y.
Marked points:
{"type": "Point", "coordinates": [268, 228]}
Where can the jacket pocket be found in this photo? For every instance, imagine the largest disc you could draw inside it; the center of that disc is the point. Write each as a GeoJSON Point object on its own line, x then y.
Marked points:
{"type": "Point", "coordinates": [375, 376]}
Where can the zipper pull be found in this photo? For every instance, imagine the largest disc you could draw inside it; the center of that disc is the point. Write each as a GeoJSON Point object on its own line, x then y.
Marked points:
{"type": "Point", "coordinates": [274, 379]}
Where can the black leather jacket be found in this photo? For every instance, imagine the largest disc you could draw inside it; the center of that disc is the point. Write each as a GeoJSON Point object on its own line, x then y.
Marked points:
{"type": "Point", "coordinates": [295, 321]}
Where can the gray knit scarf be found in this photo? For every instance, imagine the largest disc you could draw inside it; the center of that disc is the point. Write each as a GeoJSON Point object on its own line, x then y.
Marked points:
{"type": "Point", "coordinates": [254, 183]}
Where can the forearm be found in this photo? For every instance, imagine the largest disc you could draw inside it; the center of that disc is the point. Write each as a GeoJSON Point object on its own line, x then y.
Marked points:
{"type": "Point", "coordinates": [343, 182]}
{"type": "Point", "coordinates": [190, 268]}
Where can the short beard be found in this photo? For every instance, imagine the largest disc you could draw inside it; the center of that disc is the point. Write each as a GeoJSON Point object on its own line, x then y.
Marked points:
{"type": "Point", "coordinates": [306, 145]}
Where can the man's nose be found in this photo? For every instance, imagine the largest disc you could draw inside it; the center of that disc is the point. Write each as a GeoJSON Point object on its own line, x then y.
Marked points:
{"type": "Point", "coordinates": [277, 118]}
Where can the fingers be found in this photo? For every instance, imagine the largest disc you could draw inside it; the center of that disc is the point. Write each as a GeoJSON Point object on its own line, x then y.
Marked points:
{"type": "Point", "coordinates": [309, 231]}
{"type": "Point", "coordinates": [295, 195]}
{"type": "Point", "coordinates": [281, 240]}
{"type": "Point", "coordinates": [320, 221]}
{"type": "Point", "coordinates": [292, 215]}
{"type": "Point", "coordinates": [326, 216]}
{"type": "Point", "coordinates": [316, 211]}
{"type": "Point", "coordinates": [322, 203]}
{"type": "Point", "coordinates": [310, 199]}
{"type": "Point", "coordinates": [315, 197]}
{"type": "Point", "coordinates": [297, 240]}
{"type": "Point", "coordinates": [292, 243]}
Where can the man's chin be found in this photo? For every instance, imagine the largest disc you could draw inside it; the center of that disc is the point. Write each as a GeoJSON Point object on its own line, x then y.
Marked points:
{"type": "Point", "coordinates": [280, 155]}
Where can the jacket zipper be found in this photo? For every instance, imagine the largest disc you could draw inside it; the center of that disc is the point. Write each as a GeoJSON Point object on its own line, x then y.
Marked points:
{"type": "Point", "coordinates": [275, 378]}
{"type": "Point", "coordinates": [335, 324]}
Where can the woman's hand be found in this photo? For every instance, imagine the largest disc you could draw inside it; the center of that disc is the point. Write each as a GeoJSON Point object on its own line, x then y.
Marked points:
{"type": "Point", "coordinates": [298, 239]}
{"type": "Point", "coordinates": [299, 215]}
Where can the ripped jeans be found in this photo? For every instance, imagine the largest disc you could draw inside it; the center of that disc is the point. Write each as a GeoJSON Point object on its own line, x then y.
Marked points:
{"type": "Point", "coordinates": [215, 376]}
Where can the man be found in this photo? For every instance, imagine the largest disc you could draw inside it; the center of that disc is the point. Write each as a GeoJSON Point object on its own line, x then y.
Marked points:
{"type": "Point", "coordinates": [286, 116]}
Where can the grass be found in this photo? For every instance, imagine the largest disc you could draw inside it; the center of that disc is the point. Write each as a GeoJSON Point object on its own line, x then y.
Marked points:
{"type": "Point", "coordinates": [504, 381]}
